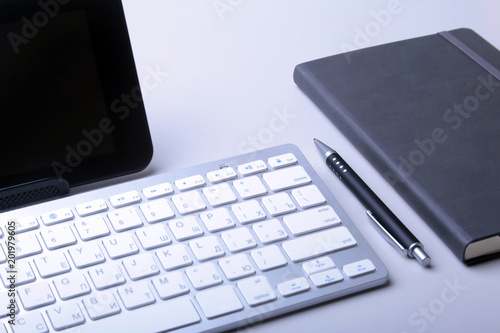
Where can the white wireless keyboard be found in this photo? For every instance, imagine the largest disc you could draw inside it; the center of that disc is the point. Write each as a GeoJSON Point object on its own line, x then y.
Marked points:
{"type": "Point", "coordinates": [209, 248]}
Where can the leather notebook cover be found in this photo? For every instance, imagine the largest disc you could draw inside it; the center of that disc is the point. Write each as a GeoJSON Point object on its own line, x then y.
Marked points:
{"type": "Point", "coordinates": [426, 113]}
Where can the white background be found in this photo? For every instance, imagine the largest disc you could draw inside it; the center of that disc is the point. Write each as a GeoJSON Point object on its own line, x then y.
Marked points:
{"type": "Point", "coordinates": [216, 75]}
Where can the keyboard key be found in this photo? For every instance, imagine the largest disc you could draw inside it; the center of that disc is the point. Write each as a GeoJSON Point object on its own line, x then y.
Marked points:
{"type": "Point", "coordinates": [189, 183]}
{"type": "Point", "coordinates": [140, 266]}
{"type": "Point", "coordinates": [270, 231]}
{"type": "Point", "coordinates": [219, 301]}
{"type": "Point", "coordinates": [279, 204]}
{"type": "Point", "coordinates": [206, 248]}
{"type": "Point", "coordinates": [170, 285]}
{"type": "Point", "coordinates": [26, 224]}
{"type": "Point", "coordinates": [125, 219]}
{"type": "Point", "coordinates": [53, 264]}
{"type": "Point", "coordinates": [217, 220]}
{"type": "Point", "coordinates": [153, 236]}
{"type": "Point", "coordinates": [220, 194]}
{"type": "Point", "coordinates": [157, 211]}
{"type": "Point", "coordinates": [120, 245]}
{"type": "Point", "coordinates": [58, 236]}
{"type": "Point", "coordinates": [248, 211]}
{"type": "Point", "coordinates": [71, 285]}
{"type": "Point", "coordinates": [220, 175]}
{"type": "Point", "coordinates": [92, 207]}
{"type": "Point", "coordinates": [58, 216]}
{"type": "Point", "coordinates": [125, 199]}
{"type": "Point", "coordinates": [65, 316]}
{"type": "Point", "coordinates": [359, 268]}
{"type": "Point", "coordinates": [106, 276]}
{"type": "Point", "coordinates": [326, 278]}
{"type": "Point", "coordinates": [318, 244]}
{"type": "Point", "coordinates": [173, 257]}
{"type": "Point", "coordinates": [251, 168]}
{"type": "Point", "coordinates": [250, 187]}
{"type": "Point", "coordinates": [85, 255]}
{"type": "Point", "coordinates": [27, 245]}
{"type": "Point", "coordinates": [282, 160]}
{"type": "Point", "coordinates": [317, 265]}
{"type": "Point", "coordinates": [237, 266]}
{"type": "Point", "coordinates": [25, 274]}
{"type": "Point", "coordinates": [36, 295]}
{"type": "Point", "coordinates": [136, 295]}
{"type": "Point", "coordinates": [293, 287]}
{"type": "Point", "coordinates": [317, 218]}
{"type": "Point", "coordinates": [185, 228]}
{"type": "Point", "coordinates": [5, 300]}
{"type": "Point", "coordinates": [286, 178]}
{"type": "Point", "coordinates": [238, 239]}
{"type": "Point", "coordinates": [308, 196]}
{"type": "Point", "coordinates": [256, 290]}
{"type": "Point", "coordinates": [91, 228]}
{"type": "Point", "coordinates": [101, 305]}
{"type": "Point", "coordinates": [269, 257]}
{"type": "Point", "coordinates": [203, 276]}
{"type": "Point", "coordinates": [29, 323]}
{"type": "Point", "coordinates": [157, 191]}
{"type": "Point", "coordinates": [189, 202]}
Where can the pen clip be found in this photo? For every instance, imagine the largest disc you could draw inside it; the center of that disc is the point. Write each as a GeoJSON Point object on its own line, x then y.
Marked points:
{"type": "Point", "coordinates": [386, 235]}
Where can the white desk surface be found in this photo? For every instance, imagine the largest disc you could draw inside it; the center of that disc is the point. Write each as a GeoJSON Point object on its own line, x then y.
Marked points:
{"type": "Point", "coordinates": [217, 80]}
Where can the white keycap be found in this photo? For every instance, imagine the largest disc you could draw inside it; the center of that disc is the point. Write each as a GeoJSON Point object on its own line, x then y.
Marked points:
{"type": "Point", "coordinates": [317, 218]}
{"type": "Point", "coordinates": [203, 276]}
{"type": "Point", "coordinates": [125, 219]}
{"type": "Point", "coordinates": [125, 199]}
{"type": "Point", "coordinates": [153, 236]}
{"type": "Point", "coordinates": [92, 207]}
{"type": "Point", "coordinates": [358, 268]}
{"type": "Point", "coordinates": [317, 265]}
{"type": "Point", "coordinates": [286, 178]}
{"type": "Point", "coordinates": [136, 295]}
{"type": "Point", "coordinates": [270, 231]}
{"type": "Point", "coordinates": [100, 305]}
{"type": "Point", "coordinates": [318, 244]}
{"type": "Point", "coordinates": [219, 301]}
{"type": "Point", "coordinates": [170, 285]}
{"type": "Point", "coordinates": [237, 266]}
{"type": "Point", "coordinates": [27, 245]}
{"type": "Point", "coordinates": [238, 239]}
{"type": "Point", "coordinates": [293, 287]}
{"type": "Point", "coordinates": [325, 278]}
{"type": "Point", "coordinates": [173, 256]}
{"type": "Point", "coordinates": [3, 257]}
{"type": "Point", "coordinates": [85, 255]}
{"type": "Point", "coordinates": [252, 168]}
{"type": "Point", "coordinates": [206, 248]}
{"type": "Point", "coordinates": [157, 191]}
{"type": "Point", "coordinates": [220, 194]}
{"type": "Point", "coordinates": [30, 322]}
{"type": "Point", "coordinates": [156, 211]}
{"type": "Point", "coordinates": [190, 182]}
{"type": "Point", "coordinates": [308, 196]}
{"type": "Point", "coordinates": [281, 161]}
{"type": "Point", "coordinates": [249, 187]}
{"type": "Point", "coordinates": [25, 273]}
{"type": "Point", "coordinates": [220, 175]}
{"type": "Point", "coordinates": [71, 285]}
{"type": "Point", "coordinates": [36, 295]}
{"type": "Point", "coordinates": [58, 236]}
{"type": "Point", "coordinates": [25, 224]}
{"type": "Point", "coordinates": [120, 245]}
{"type": "Point", "coordinates": [106, 276]}
{"type": "Point", "coordinates": [65, 316]}
{"type": "Point", "coordinates": [256, 290]}
{"type": "Point", "coordinates": [185, 228]}
{"type": "Point", "coordinates": [279, 204]}
{"type": "Point", "coordinates": [248, 211]}
{"type": "Point", "coordinates": [188, 202]}
{"type": "Point", "coordinates": [52, 264]}
{"type": "Point", "coordinates": [269, 257]}
{"type": "Point", "coordinates": [217, 220]}
{"type": "Point", "coordinates": [58, 216]}
{"type": "Point", "coordinates": [92, 227]}
{"type": "Point", "coordinates": [140, 266]}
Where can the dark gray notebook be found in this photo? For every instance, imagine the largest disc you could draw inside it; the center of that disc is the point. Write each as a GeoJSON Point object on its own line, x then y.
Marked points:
{"type": "Point", "coordinates": [426, 114]}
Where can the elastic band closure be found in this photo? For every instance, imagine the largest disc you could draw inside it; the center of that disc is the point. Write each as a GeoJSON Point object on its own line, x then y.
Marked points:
{"type": "Point", "coordinates": [473, 55]}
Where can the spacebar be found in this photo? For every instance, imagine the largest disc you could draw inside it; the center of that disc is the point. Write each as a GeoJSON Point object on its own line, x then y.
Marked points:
{"type": "Point", "coordinates": [318, 244]}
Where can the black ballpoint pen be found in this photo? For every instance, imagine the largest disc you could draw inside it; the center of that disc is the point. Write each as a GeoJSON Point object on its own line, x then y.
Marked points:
{"type": "Point", "coordinates": [390, 227]}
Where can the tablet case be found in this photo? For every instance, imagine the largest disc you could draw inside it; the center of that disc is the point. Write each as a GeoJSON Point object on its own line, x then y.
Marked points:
{"type": "Point", "coordinates": [426, 113]}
